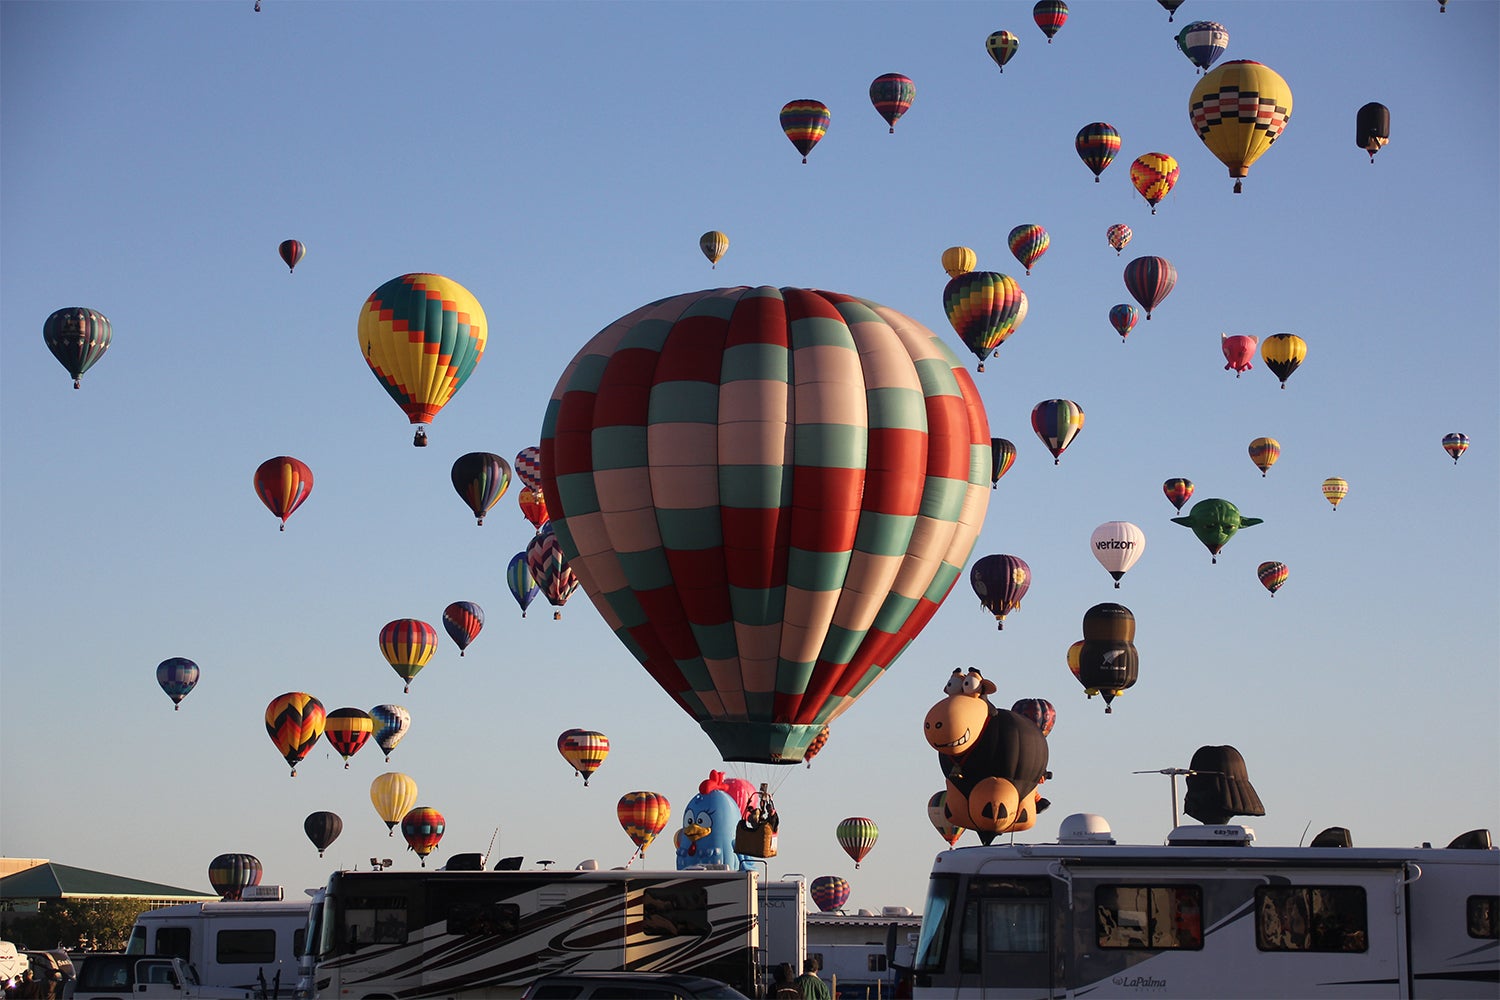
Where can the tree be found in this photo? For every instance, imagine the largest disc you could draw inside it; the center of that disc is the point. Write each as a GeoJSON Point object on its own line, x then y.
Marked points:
{"type": "Point", "coordinates": [91, 924]}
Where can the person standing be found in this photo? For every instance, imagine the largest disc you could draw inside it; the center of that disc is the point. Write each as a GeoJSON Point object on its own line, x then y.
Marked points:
{"type": "Point", "coordinates": [811, 986]}
{"type": "Point", "coordinates": [785, 985]}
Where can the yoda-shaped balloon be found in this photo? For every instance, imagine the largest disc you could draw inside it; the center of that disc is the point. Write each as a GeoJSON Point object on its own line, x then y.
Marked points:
{"type": "Point", "coordinates": [1215, 521]}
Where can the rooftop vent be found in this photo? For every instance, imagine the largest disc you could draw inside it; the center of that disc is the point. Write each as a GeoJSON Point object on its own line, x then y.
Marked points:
{"type": "Point", "coordinates": [1084, 828]}
{"type": "Point", "coordinates": [1209, 835]}
{"type": "Point", "coordinates": [586, 865]}
{"type": "Point", "coordinates": [1334, 836]}
{"type": "Point", "coordinates": [261, 892]}
{"type": "Point", "coordinates": [1474, 840]}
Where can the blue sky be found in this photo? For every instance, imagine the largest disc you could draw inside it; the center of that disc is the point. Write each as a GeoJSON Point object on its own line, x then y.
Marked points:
{"type": "Point", "coordinates": [561, 160]}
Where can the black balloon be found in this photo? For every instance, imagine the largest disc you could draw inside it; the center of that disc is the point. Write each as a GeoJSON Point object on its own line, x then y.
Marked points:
{"type": "Point", "coordinates": [322, 828]}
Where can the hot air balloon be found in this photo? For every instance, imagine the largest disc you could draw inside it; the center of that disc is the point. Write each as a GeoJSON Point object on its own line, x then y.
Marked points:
{"type": "Point", "coordinates": [1057, 422]}
{"type": "Point", "coordinates": [1239, 110]}
{"type": "Point", "coordinates": [585, 749]}
{"type": "Point", "coordinates": [549, 567]}
{"type": "Point", "coordinates": [1108, 662]}
{"type": "Point", "coordinates": [292, 252]}
{"type": "Point", "coordinates": [348, 729]}
{"type": "Point", "coordinates": [1264, 451]}
{"type": "Point", "coordinates": [1000, 581]}
{"type": "Point", "coordinates": [1454, 444]}
{"type": "Point", "coordinates": [1282, 353]}
{"type": "Point", "coordinates": [1154, 175]}
{"type": "Point", "coordinates": [643, 815]}
{"type": "Point", "coordinates": [1334, 490]}
{"type": "Point", "coordinates": [1171, 6]}
{"type": "Point", "coordinates": [178, 676]}
{"type": "Point", "coordinates": [805, 123]}
{"type": "Point", "coordinates": [393, 794]}
{"type": "Point", "coordinates": [1097, 143]}
{"type": "Point", "coordinates": [959, 260]}
{"type": "Point", "coordinates": [231, 874]}
{"type": "Point", "coordinates": [1203, 42]}
{"type": "Point", "coordinates": [937, 815]}
{"type": "Point", "coordinates": [816, 746]}
{"type": "Point", "coordinates": [892, 94]}
{"type": "Point", "coordinates": [1215, 522]}
{"type": "Point", "coordinates": [422, 335]}
{"type": "Point", "coordinates": [1001, 45]}
{"type": "Point", "coordinates": [322, 828]}
{"type": "Point", "coordinates": [462, 620]}
{"type": "Point", "coordinates": [1028, 243]}
{"type": "Point", "coordinates": [1238, 350]}
{"type": "Point", "coordinates": [985, 307]}
{"type": "Point", "coordinates": [1118, 236]}
{"type": "Point", "coordinates": [529, 467]}
{"type": "Point", "coordinates": [1272, 575]}
{"type": "Point", "coordinates": [1149, 280]}
{"type": "Point", "coordinates": [283, 483]}
{"type": "Point", "coordinates": [391, 724]}
{"type": "Point", "coordinates": [857, 835]}
{"type": "Point", "coordinates": [294, 721]}
{"type": "Point", "coordinates": [1038, 710]}
{"type": "Point", "coordinates": [1050, 16]}
{"type": "Point", "coordinates": [714, 245]}
{"type": "Point", "coordinates": [518, 578]}
{"type": "Point", "coordinates": [1179, 491]}
{"type": "Point", "coordinates": [1002, 457]}
{"type": "Point", "coordinates": [1117, 545]}
{"type": "Point", "coordinates": [423, 828]}
{"type": "Point", "coordinates": [407, 644]}
{"type": "Point", "coordinates": [480, 478]}
{"type": "Point", "coordinates": [1372, 128]}
{"type": "Point", "coordinates": [1123, 318]}
{"type": "Point", "coordinates": [533, 507]}
{"type": "Point", "coordinates": [77, 337]}
{"type": "Point", "coordinates": [712, 590]}
{"type": "Point", "coordinates": [829, 892]}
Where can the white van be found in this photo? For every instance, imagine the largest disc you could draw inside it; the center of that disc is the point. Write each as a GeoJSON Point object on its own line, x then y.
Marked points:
{"type": "Point", "coordinates": [243, 944]}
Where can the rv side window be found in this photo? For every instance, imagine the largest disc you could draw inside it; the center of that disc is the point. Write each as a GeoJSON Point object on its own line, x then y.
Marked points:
{"type": "Point", "coordinates": [245, 947]}
{"type": "Point", "coordinates": [1149, 916]}
{"type": "Point", "coordinates": [1482, 917]}
{"type": "Point", "coordinates": [484, 918]}
{"type": "Point", "coordinates": [1310, 918]}
{"type": "Point", "coordinates": [671, 911]}
{"type": "Point", "coordinates": [937, 922]}
{"type": "Point", "coordinates": [375, 920]}
{"type": "Point", "coordinates": [299, 941]}
{"type": "Point", "coordinates": [174, 941]}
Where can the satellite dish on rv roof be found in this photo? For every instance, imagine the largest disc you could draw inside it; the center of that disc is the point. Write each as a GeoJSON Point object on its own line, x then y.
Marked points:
{"type": "Point", "coordinates": [1084, 828]}
{"type": "Point", "coordinates": [588, 865]}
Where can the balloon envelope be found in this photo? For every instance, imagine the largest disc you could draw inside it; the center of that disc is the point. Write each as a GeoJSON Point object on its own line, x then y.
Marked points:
{"type": "Point", "coordinates": [1000, 581]}
{"type": "Point", "coordinates": [1123, 318]}
{"type": "Point", "coordinates": [829, 892]}
{"type": "Point", "coordinates": [1272, 575]}
{"type": "Point", "coordinates": [393, 795]}
{"type": "Point", "coordinates": [407, 644]}
{"type": "Point", "coordinates": [985, 307]}
{"type": "Point", "coordinates": [642, 816]}
{"type": "Point", "coordinates": [1238, 349]}
{"type": "Point", "coordinates": [1203, 42]}
{"type": "Point", "coordinates": [294, 721]}
{"type": "Point", "coordinates": [231, 874]}
{"type": "Point", "coordinates": [1239, 110]}
{"type": "Point", "coordinates": [322, 828]}
{"type": "Point", "coordinates": [1455, 445]}
{"type": "Point", "coordinates": [1283, 353]}
{"type": "Point", "coordinates": [529, 467]}
{"type": "Point", "coordinates": [585, 749]}
{"type": "Point", "coordinates": [1372, 128]}
{"type": "Point", "coordinates": [292, 252]}
{"type": "Point", "coordinates": [805, 123]}
{"type": "Point", "coordinates": [549, 568]}
{"type": "Point", "coordinates": [1001, 45]}
{"type": "Point", "coordinates": [1149, 280]}
{"type": "Point", "coordinates": [946, 829]}
{"type": "Point", "coordinates": [519, 580]}
{"type": "Point", "coordinates": [857, 835]}
{"type": "Point", "coordinates": [348, 729]}
{"type": "Point", "coordinates": [959, 260]}
{"type": "Point", "coordinates": [1057, 422]}
{"type": "Point", "coordinates": [1117, 545]}
{"type": "Point", "coordinates": [423, 828]}
{"type": "Point", "coordinates": [1097, 145]}
{"type": "Point", "coordinates": [77, 338]}
{"type": "Point", "coordinates": [462, 620]}
{"type": "Point", "coordinates": [283, 483]}
{"type": "Point", "coordinates": [1179, 491]}
{"type": "Point", "coordinates": [714, 245]}
{"type": "Point", "coordinates": [1039, 711]}
{"type": "Point", "coordinates": [177, 676]}
{"type": "Point", "coordinates": [1154, 175]}
{"type": "Point", "coordinates": [391, 724]}
{"type": "Point", "coordinates": [1002, 457]}
{"type": "Point", "coordinates": [1118, 236]}
{"type": "Point", "coordinates": [480, 478]}
{"type": "Point", "coordinates": [1264, 452]}
{"type": "Point", "coordinates": [1049, 15]}
{"type": "Point", "coordinates": [1335, 489]}
{"type": "Point", "coordinates": [892, 94]}
{"type": "Point", "coordinates": [1028, 243]}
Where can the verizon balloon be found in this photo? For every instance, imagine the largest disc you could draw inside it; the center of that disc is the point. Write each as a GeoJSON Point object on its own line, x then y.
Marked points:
{"type": "Point", "coordinates": [767, 493]}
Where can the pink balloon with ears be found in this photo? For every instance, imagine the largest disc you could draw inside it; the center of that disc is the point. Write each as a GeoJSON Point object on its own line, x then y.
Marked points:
{"type": "Point", "coordinates": [1239, 352]}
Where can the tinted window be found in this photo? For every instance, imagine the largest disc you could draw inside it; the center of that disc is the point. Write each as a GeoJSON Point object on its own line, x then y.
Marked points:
{"type": "Point", "coordinates": [174, 941]}
{"type": "Point", "coordinates": [245, 947]}
{"type": "Point", "coordinates": [1482, 916]}
{"type": "Point", "coordinates": [375, 920]}
{"type": "Point", "coordinates": [1149, 916]}
{"type": "Point", "coordinates": [1310, 918]}
{"type": "Point", "coordinates": [669, 911]}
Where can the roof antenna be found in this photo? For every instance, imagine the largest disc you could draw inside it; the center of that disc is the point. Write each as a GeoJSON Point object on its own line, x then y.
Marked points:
{"type": "Point", "coordinates": [1304, 833]}
{"type": "Point", "coordinates": [485, 863]}
{"type": "Point", "coordinates": [1174, 772]}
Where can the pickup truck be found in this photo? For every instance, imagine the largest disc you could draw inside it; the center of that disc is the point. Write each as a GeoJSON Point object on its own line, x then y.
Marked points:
{"type": "Point", "coordinates": [146, 977]}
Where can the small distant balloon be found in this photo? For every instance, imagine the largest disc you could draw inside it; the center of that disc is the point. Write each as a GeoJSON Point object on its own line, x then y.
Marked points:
{"type": "Point", "coordinates": [585, 749]}
{"type": "Point", "coordinates": [829, 892]}
{"type": "Point", "coordinates": [177, 677]}
{"type": "Point", "coordinates": [1097, 145]}
{"type": "Point", "coordinates": [938, 816]}
{"type": "Point", "coordinates": [1239, 349]}
{"type": "Point", "coordinates": [480, 478]}
{"type": "Point", "coordinates": [518, 578]}
{"type": "Point", "coordinates": [1372, 128]}
{"type": "Point", "coordinates": [283, 483]}
{"type": "Point", "coordinates": [1203, 42]}
{"type": "Point", "coordinates": [1118, 236]}
{"type": "Point", "coordinates": [529, 467]}
{"type": "Point", "coordinates": [1149, 280]}
{"type": "Point", "coordinates": [423, 828]}
{"type": "Point", "coordinates": [348, 729]}
{"type": "Point", "coordinates": [714, 245]}
{"type": "Point", "coordinates": [892, 94]}
{"type": "Point", "coordinates": [77, 338]}
{"type": "Point", "coordinates": [393, 795]}
{"type": "Point", "coordinates": [1239, 109]}
{"type": "Point", "coordinates": [1455, 445]}
{"type": "Point", "coordinates": [407, 645]}
{"type": "Point", "coordinates": [1154, 175]}
{"type": "Point", "coordinates": [1178, 490]}
{"type": "Point", "coordinates": [1123, 317]}
{"type": "Point", "coordinates": [1272, 575]}
{"type": "Point", "coordinates": [1002, 457]}
{"type": "Point", "coordinates": [322, 828]}
{"type": "Point", "coordinates": [1283, 353]}
{"type": "Point", "coordinates": [231, 874]}
{"type": "Point", "coordinates": [805, 123]}
{"type": "Point", "coordinates": [1117, 545]}
{"type": "Point", "coordinates": [1001, 45]}
{"type": "Point", "coordinates": [959, 260]}
{"type": "Point", "coordinates": [1215, 522]}
{"type": "Point", "coordinates": [1050, 16]}
{"type": "Point", "coordinates": [391, 723]}
{"type": "Point", "coordinates": [857, 836]}
{"type": "Point", "coordinates": [985, 308]}
{"type": "Point", "coordinates": [295, 721]}
{"type": "Point", "coordinates": [1000, 581]}
{"type": "Point", "coordinates": [642, 816]}
{"type": "Point", "coordinates": [1057, 422]}
{"type": "Point", "coordinates": [1334, 490]}
{"type": "Point", "coordinates": [1028, 243]}
{"type": "Point", "coordinates": [1038, 710]}
{"type": "Point", "coordinates": [292, 252]}
{"type": "Point", "coordinates": [1264, 451]}
{"type": "Point", "coordinates": [462, 620]}
{"type": "Point", "coordinates": [1171, 7]}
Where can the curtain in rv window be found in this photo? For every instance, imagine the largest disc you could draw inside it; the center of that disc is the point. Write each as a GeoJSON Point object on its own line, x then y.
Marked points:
{"type": "Point", "coordinates": [1311, 918]}
{"type": "Point", "coordinates": [1483, 911]}
{"type": "Point", "coordinates": [1151, 917]}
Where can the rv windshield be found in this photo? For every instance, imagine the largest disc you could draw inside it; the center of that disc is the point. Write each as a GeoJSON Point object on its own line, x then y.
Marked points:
{"type": "Point", "coordinates": [937, 922]}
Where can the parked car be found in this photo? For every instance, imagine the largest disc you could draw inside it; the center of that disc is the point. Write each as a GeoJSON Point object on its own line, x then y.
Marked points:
{"type": "Point", "coordinates": [629, 986]}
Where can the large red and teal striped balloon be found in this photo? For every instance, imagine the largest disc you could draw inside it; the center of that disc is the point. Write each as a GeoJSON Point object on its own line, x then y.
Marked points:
{"type": "Point", "coordinates": [985, 307]}
{"type": "Point", "coordinates": [767, 493]}
{"type": "Point", "coordinates": [892, 94]}
{"type": "Point", "coordinates": [805, 123]}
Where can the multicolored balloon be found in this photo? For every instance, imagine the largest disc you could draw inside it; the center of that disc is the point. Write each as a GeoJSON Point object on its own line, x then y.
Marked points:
{"type": "Point", "coordinates": [423, 828]}
{"type": "Point", "coordinates": [1002, 457]}
{"type": "Point", "coordinates": [1123, 318]}
{"type": "Point", "coordinates": [1001, 45]}
{"type": "Point", "coordinates": [294, 721]}
{"type": "Point", "coordinates": [805, 123]}
{"type": "Point", "coordinates": [407, 644]}
{"type": "Point", "coordinates": [829, 892]}
{"type": "Point", "coordinates": [1238, 350]}
{"type": "Point", "coordinates": [1456, 444]}
{"type": "Point", "coordinates": [1283, 353]}
{"type": "Point", "coordinates": [703, 582]}
{"type": "Point", "coordinates": [1117, 545]}
{"type": "Point", "coordinates": [1098, 143]}
{"type": "Point", "coordinates": [714, 245]}
{"type": "Point", "coordinates": [1149, 280]}
{"type": "Point", "coordinates": [1050, 16]}
{"type": "Point", "coordinates": [1264, 451]}
{"type": "Point", "coordinates": [292, 252]}
{"type": "Point", "coordinates": [959, 260]}
{"type": "Point", "coordinates": [1171, 7]}
{"type": "Point", "coordinates": [518, 578]}
{"type": "Point", "coordinates": [422, 336]}
{"type": "Point", "coordinates": [985, 308]}
{"type": "Point", "coordinates": [1272, 575]}
{"type": "Point", "coordinates": [1179, 491]}
{"type": "Point", "coordinates": [391, 723]}
{"type": "Point", "coordinates": [1057, 422]}
{"type": "Point", "coordinates": [480, 478]}
{"type": "Point", "coordinates": [348, 729]}
{"type": "Point", "coordinates": [1334, 490]}
{"type": "Point", "coordinates": [179, 675]}
{"type": "Point", "coordinates": [1215, 522]}
{"type": "Point", "coordinates": [462, 620]}
{"type": "Point", "coordinates": [1239, 110]}
{"type": "Point", "coordinates": [322, 828]}
{"type": "Point", "coordinates": [1154, 175]}
{"type": "Point", "coordinates": [533, 507]}
{"type": "Point", "coordinates": [549, 567]}
{"type": "Point", "coordinates": [892, 94]}
{"type": "Point", "coordinates": [1372, 128]}
{"type": "Point", "coordinates": [529, 467]}
{"type": "Point", "coordinates": [857, 835]}
{"type": "Point", "coordinates": [585, 749]}
{"type": "Point", "coordinates": [1119, 236]}
{"type": "Point", "coordinates": [1203, 42]}
{"type": "Point", "coordinates": [642, 816]}
{"type": "Point", "coordinates": [1000, 581]}
{"type": "Point", "coordinates": [231, 874]}
{"type": "Point", "coordinates": [1029, 242]}
{"type": "Point", "coordinates": [816, 746]}
{"type": "Point", "coordinates": [77, 338]}
{"type": "Point", "coordinates": [1038, 710]}
{"type": "Point", "coordinates": [283, 483]}
{"type": "Point", "coordinates": [393, 795]}
{"type": "Point", "coordinates": [936, 814]}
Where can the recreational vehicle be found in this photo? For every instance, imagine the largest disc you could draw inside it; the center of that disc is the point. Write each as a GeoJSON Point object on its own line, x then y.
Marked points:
{"type": "Point", "coordinates": [248, 944]}
{"type": "Point", "coordinates": [1210, 914]}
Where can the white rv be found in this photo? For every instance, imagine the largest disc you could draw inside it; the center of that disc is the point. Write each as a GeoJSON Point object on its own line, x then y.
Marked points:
{"type": "Point", "coordinates": [249, 944]}
{"type": "Point", "coordinates": [1210, 915]}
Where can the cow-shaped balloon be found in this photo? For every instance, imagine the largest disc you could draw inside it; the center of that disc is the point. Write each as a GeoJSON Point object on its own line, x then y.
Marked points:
{"type": "Point", "coordinates": [993, 758]}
